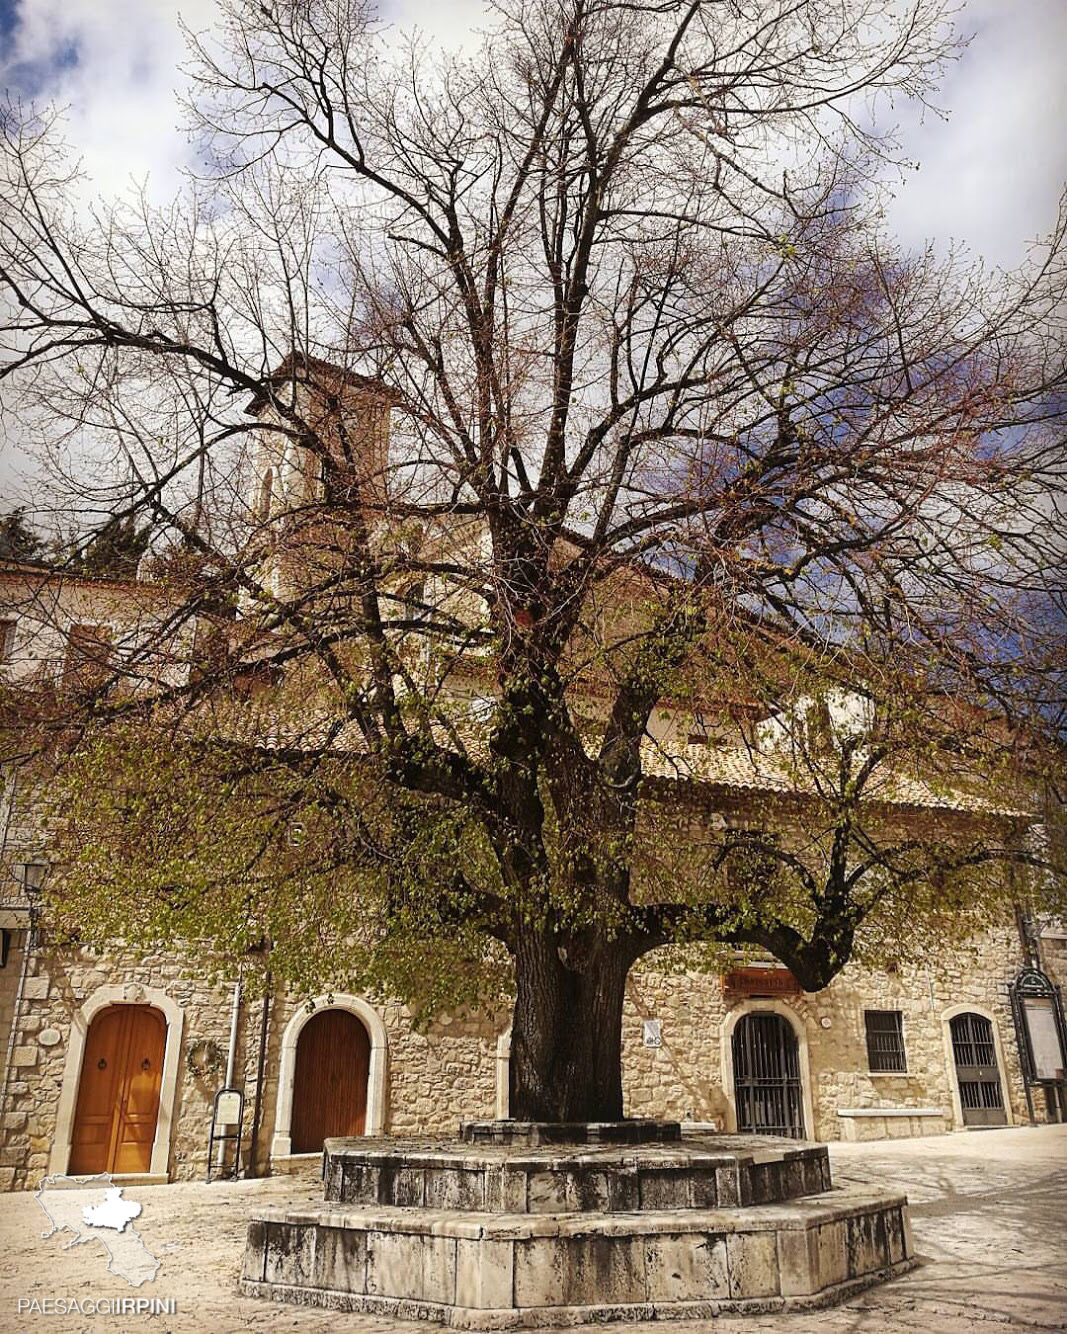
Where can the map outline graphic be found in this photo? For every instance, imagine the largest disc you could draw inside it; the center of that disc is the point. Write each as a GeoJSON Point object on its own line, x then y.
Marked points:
{"type": "Point", "coordinates": [93, 1219]}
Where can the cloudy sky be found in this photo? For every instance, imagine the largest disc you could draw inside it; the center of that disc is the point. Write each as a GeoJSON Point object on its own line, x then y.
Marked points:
{"type": "Point", "coordinates": [990, 176]}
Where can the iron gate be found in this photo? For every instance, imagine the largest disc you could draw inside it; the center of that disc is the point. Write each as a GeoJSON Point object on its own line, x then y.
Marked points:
{"type": "Point", "coordinates": [975, 1054]}
{"type": "Point", "coordinates": [767, 1077]}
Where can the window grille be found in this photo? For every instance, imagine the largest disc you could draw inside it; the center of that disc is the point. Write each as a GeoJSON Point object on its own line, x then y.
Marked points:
{"type": "Point", "coordinates": [885, 1041]}
{"type": "Point", "coordinates": [767, 1077]}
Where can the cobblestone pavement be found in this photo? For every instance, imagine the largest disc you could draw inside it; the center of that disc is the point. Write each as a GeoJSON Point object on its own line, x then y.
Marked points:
{"type": "Point", "coordinates": [989, 1211]}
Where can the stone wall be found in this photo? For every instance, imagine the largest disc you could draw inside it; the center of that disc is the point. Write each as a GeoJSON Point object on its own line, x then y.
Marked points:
{"type": "Point", "coordinates": [432, 1079]}
{"type": "Point", "coordinates": [9, 977]}
{"type": "Point", "coordinates": [435, 1078]}
{"type": "Point", "coordinates": [687, 1076]}
{"type": "Point", "coordinates": [58, 985]}
{"type": "Point", "coordinates": [1053, 950]}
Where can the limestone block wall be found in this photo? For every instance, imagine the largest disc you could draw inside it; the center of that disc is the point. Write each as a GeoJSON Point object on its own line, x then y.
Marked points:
{"type": "Point", "coordinates": [444, 1075]}
{"type": "Point", "coordinates": [687, 1076]}
{"type": "Point", "coordinates": [9, 977]}
{"type": "Point", "coordinates": [59, 984]}
{"type": "Point", "coordinates": [433, 1078]}
{"type": "Point", "coordinates": [1053, 950]}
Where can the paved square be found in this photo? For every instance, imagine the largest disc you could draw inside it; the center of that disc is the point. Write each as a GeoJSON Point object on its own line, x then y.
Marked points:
{"type": "Point", "coordinates": [989, 1211]}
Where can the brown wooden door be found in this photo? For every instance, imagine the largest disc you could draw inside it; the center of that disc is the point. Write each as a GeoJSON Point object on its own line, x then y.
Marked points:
{"type": "Point", "coordinates": [330, 1082]}
{"type": "Point", "coordinates": [118, 1093]}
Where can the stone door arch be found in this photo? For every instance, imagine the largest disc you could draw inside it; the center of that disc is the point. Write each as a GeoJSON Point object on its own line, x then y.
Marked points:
{"type": "Point", "coordinates": [793, 1077]}
{"type": "Point", "coordinates": [329, 1080]}
{"type": "Point", "coordinates": [118, 1092]}
{"type": "Point", "coordinates": [156, 1129]}
{"type": "Point", "coordinates": [283, 1144]}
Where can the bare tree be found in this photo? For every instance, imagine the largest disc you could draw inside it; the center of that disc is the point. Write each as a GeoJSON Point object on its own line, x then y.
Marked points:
{"type": "Point", "coordinates": [584, 389]}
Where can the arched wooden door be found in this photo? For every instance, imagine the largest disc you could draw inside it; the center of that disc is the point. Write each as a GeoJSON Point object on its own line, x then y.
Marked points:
{"type": "Point", "coordinates": [977, 1072]}
{"type": "Point", "coordinates": [330, 1081]}
{"type": "Point", "coordinates": [118, 1092]}
{"type": "Point", "coordinates": [767, 1087]}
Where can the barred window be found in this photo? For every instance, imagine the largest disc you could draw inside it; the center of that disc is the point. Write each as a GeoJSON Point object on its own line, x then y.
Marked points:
{"type": "Point", "coordinates": [885, 1041]}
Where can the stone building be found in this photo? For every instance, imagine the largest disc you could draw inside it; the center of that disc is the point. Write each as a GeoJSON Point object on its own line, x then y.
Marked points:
{"type": "Point", "coordinates": [113, 1061]}
{"type": "Point", "coordinates": [682, 1040]}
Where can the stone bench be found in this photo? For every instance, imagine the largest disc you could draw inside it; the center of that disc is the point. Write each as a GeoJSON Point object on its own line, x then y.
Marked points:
{"type": "Point", "coordinates": [866, 1123]}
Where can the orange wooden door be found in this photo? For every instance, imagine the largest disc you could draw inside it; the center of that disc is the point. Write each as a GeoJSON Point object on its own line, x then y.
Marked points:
{"type": "Point", "coordinates": [330, 1082]}
{"type": "Point", "coordinates": [118, 1093]}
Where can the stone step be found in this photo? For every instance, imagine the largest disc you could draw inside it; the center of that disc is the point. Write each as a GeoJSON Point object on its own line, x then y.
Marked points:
{"type": "Point", "coordinates": [722, 1171]}
{"type": "Point", "coordinates": [635, 1130]}
{"type": "Point", "coordinates": [481, 1270]}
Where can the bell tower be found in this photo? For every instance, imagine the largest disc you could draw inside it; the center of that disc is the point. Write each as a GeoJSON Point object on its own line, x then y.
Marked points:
{"type": "Point", "coordinates": [318, 486]}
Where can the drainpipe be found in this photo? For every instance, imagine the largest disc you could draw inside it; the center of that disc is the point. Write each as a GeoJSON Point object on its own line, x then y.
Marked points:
{"type": "Point", "coordinates": [235, 1015]}
{"type": "Point", "coordinates": [257, 1111]}
{"type": "Point", "coordinates": [231, 1061]}
{"type": "Point", "coordinates": [1027, 937]}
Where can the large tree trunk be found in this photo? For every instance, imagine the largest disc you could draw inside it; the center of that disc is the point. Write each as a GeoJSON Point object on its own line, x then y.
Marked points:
{"type": "Point", "coordinates": [566, 1036]}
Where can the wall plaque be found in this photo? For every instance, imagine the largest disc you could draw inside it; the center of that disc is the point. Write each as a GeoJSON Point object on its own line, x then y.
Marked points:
{"type": "Point", "coordinates": [228, 1108]}
{"type": "Point", "coordinates": [762, 980]}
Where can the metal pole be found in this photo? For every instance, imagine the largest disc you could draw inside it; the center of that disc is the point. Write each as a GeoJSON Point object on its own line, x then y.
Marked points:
{"type": "Point", "coordinates": [231, 1055]}
{"type": "Point", "coordinates": [231, 1064]}
{"type": "Point", "coordinates": [1022, 1042]}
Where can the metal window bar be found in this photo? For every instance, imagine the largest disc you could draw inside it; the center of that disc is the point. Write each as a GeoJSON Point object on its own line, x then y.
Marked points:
{"type": "Point", "coordinates": [885, 1041]}
{"type": "Point", "coordinates": [976, 1069]}
{"type": "Point", "coordinates": [972, 1040]}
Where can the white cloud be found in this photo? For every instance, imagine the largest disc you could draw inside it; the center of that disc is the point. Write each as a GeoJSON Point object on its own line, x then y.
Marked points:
{"type": "Point", "coordinates": [114, 64]}
{"type": "Point", "coordinates": [991, 176]}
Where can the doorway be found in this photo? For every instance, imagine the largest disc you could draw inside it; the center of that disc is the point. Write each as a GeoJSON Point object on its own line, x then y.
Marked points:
{"type": "Point", "coordinates": [330, 1080]}
{"type": "Point", "coordinates": [118, 1091]}
{"type": "Point", "coordinates": [977, 1072]}
{"type": "Point", "coordinates": [766, 1068]}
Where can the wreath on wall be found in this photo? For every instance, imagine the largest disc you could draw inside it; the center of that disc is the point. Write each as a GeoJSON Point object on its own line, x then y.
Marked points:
{"type": "Point", "coordinates": [204, 1058]}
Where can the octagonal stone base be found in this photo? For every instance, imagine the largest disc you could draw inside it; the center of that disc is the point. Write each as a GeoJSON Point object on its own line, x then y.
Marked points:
{"type": "Point", "coordinates": [591, 1176]}
{"type": "Point", "coordinates": [548, 1235]}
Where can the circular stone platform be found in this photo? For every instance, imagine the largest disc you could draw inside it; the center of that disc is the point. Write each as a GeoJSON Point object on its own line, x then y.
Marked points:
{"type": "Point", "coordinates": [509, 1228]}
{"type": "Point", "coordinates": [705, 1172]}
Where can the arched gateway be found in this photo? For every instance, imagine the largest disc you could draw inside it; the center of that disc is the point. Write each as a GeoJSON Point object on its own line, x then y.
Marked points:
{"type": "Point", "coordinates": [767, 1084]}
{"type": "Point", "coordinates": [332, 1075]}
